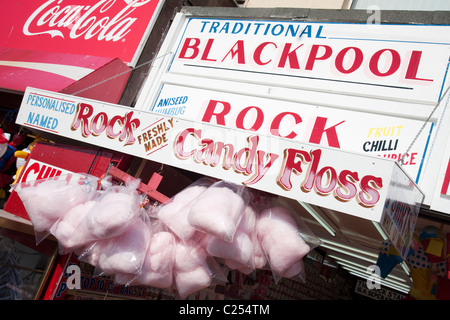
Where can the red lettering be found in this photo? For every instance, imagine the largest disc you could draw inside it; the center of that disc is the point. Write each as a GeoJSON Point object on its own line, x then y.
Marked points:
{"type": "Point", "coordinates": [275, 126]}
{"type": "Point", "coordinates": [188, 46]}
{"type": "Point", "coordinates": [220, 116]}
{"type": "Point", "coordinates": [205, 155]}
{"type": "Point", "coordinates": [212, 151]}
{"type": "Point", "coordinates": [313, 55]}
{"type": "Point", "coordinates": [249, 153]}
{"type": "Point", "coordinates": [258, 120]}
{"type": "Point", "coordinates": [258, 51]}
{"type": "Point", "coordinates": [128, 128]}
{"type": "Point", "coordinates": [357, 60]}
{"type": "Point", "coordinates": [229, 150]}
{"type": "Point", "coordinates": [262, 167]}
{"type": "Point", "coordinates": [290, 56]}
{"type": "Point", "coordinates": [413, 66]}
{"type": "Point", "coordinates": [369, 196]}
{"type": "Point", "coordinates": [46, 172]}
{"type": "Point", "coordinates": [346, 189]}
{"type": "Point", "coordinates": [207, 49]}
{"type": "Point", "coordinates": [99, 123]}
{"type": "Point", "coordinates": [319, 129]}
{"type": "Point", "coordinates": [331, 180]}
{"type": "Point", "coordinates": [181, 139]}
{"type": "Point", "coordinates": [308, 185]}
{"type": "Point", "coordinates": [33, 167]}
{"type": "Point", "coordinates": [290, 165]}
{"type": "Point", "coordinates": [374, 61]}
{"type": "Point", "coordinates": [84, 111]}
{"type": "Point", "coordinates": [110, 130]}
{"type": "Point", "coordinates": [237, 49]}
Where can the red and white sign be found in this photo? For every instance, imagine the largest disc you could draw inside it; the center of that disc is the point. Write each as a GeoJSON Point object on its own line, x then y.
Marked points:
{"type": "Point", "coordinates": [372, 134]}
{"type": "Point", "coordinates": [37, 170]}
{"type": "Point", "coordinates": [104, 28]}
{"type": "Point", "coordinates": [328, 177]}
{"type": "Point", "coordinates": [393, 61]}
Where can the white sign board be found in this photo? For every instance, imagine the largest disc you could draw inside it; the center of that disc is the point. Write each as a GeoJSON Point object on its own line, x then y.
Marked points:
{"type": "Point", "coordinates": [368, 133]}
{"type": "Point", "coordinates": [395, 61]}
{"type": "Point", "coordinates": [352, 183]}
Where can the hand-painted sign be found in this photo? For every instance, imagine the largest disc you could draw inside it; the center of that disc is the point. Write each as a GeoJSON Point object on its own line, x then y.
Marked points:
{"type": "Point", "coordinates": [368, 133]}
{"type": "Point", "coordinates": [339, 180]}
{"type": "Point", "coordinates": [396, 61]}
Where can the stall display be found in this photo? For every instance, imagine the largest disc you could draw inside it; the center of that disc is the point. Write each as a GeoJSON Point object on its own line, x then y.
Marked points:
{"type": "Point", "coordinates": [112, 227]}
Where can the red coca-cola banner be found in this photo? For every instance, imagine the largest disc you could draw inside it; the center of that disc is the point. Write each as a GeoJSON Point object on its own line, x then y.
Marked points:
{"type": "Point", "coordinates": [105, 28]}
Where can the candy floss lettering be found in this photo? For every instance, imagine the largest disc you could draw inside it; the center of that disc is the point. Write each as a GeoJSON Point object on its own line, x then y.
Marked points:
{"type": "Point", "coordinates": [121, 127]}
{"type": "Point", "coordinates": [344, 185]}
{"type": "Point", "coordinates": [52, 18]}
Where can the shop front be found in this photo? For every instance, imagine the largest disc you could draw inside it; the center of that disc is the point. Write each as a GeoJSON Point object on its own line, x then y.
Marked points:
{"type": "Point", "coordinates": [340, 124]}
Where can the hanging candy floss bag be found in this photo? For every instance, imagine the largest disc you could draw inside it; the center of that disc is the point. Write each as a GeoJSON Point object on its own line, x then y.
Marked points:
{"type": "Point", "coordinates": [159, 260]}
{"type": "Point", "coordinates": [47, 200]}
{"type": "Point", "coordinates": [241, 253]}
{"type": "Point", "coordinates": [174, 214]}
{"type": "Point", "coordinates": [284, 239]}
{"type": "Point", "coordinates": [105, 215]}
{"type": "Point", "coordinates": [218, 210]}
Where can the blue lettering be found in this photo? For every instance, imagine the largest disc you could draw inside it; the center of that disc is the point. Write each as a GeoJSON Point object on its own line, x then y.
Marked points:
{"type": "Point", "coordinates": [307, 30]}
{"type": "Point", "coordinates": [263, 28]}
{"type": "Point", "coordinates": [225, 27]}
{"type": "Point", "coordinates": [62, 288]}
{"type": "Point", "coordinates": [319, 31]}
{"type": "Point", "coordinates": [172, 101]}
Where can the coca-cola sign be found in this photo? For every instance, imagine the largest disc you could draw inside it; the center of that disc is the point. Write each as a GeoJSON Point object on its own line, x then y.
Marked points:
{"type": "Point", "coordinates": [106, 28]}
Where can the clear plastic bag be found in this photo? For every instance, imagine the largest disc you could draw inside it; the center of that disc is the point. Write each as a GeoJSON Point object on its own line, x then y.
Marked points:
{"type": "Point", "coordinates": [239, 253]}
{"type": "Point", "coordinates": [67, 231]}
{"type": "Point", "coordinates": [157, 270]}
{"type": "Point", "coordinates": [47, 200]}
{"type": "Point", "coordinates": [218, 210]}
{"type": "Point", "coordinates": [174, 214]}
{"type": "Point", "coordinates": [116, 208]}
{"type": "Point", "coordinates": [157, 267]}
{"type": "Point", "coordinates": [191, 270]}
{"type": "Point", "coordinates": [125, 253]}
{"type": "Point", "coordinates": [284, 240]}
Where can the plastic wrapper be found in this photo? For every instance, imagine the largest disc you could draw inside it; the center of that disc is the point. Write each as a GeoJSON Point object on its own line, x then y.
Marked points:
{"type": "Point", "coordinates": [67, 230]}
{"type": "Point", "coordinates": [115, 210]}
{"type": "Point", "coordinates": [283, 240]}
{"type": "Point", "coordinates": [47, 200]}
{"type": "Point", "coordinates": [191, 270]}
{"type": "Point", "coordinates": [218, 210]}
{"type": "Point", "coordinates": [239, 253]}
{"type": "Point", "coordinates": [174, 214]}
{"type": "Point", "coordinates": [107, 214]}
{"type": "Point", "coordinates": [157, 267]}
{"type": "Point", "coordinates": [126, 252]}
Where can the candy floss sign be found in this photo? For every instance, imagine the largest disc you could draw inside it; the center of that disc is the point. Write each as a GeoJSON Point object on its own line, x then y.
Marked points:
{"type": "Point", "coordinates": [101, 28]}
{"type": "Point", "coordinates": [331, 178]}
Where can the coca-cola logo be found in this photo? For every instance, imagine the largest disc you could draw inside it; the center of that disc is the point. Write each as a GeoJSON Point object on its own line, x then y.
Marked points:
{"type": "Point", "coordinates": [105, 20]}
